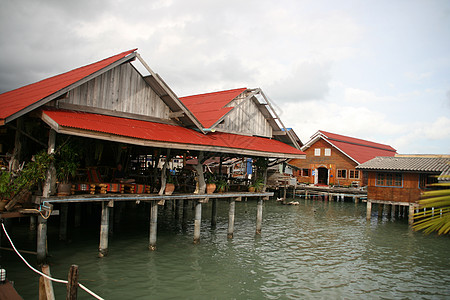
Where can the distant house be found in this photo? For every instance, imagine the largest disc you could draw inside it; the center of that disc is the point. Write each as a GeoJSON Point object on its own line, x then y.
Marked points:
{"type": "Point", "coordinates": [403, 178]}
{"type": "Point", "coordinates": [331, 159]}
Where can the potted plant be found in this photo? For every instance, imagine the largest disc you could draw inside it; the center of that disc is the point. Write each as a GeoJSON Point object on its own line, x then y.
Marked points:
{"type": "Point", "coordinates": [66, 164]}
{"type": "Point", "coordinates": [221, 185]}
{"type": "Point", "coordinates": [210, 183]}
{"type": "Point", "coordinates": [170, 184]}
{"type": "Point", "coordinates": [257, 185]}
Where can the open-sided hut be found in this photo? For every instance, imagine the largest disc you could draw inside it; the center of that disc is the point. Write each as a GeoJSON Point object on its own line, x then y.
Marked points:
{"type": "Point", "coordinates": [111, 103]}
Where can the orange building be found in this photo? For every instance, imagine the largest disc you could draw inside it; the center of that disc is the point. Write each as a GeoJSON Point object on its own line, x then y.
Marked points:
{"type": "Point", "coordinates": [331, 159]}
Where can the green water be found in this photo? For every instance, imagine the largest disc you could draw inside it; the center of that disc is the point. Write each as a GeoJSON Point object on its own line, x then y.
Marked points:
{"type": "Point", "coordinates": [316, 250]}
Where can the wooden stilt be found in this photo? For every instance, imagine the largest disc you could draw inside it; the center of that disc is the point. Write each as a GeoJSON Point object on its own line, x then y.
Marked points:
{"type": "Point", "coordinates": [32, 223]}
{"type": "Point", "coordinates": [63, 214]}
{"type": "Point", "coordinates": [369, 210]}
{"type": "Point", "coordinates": [177, 209]}
{"type": "Point", "coordinates": [388, 210]}
{"type": "Point", "coordinates": [72, 285]}
{"type": "Point", "coordinates": [77, 221]}
{"type": "Point", "coordinates": [393, 210]}
{"type": "Point", "coordinates": [45, 285]}
{"type": "Point", "coordinates": [259, 214]}
{"type": "Point", "coordinates": [111, 217]}
{"type": "Point", "coordinates": [185, 212]}
{"type": "Point", "coordinates": [231, 218]}
{"type": "Point", "coordinates": [197, 221]}
{"type": "Point", "coordinates": [214, 213]}
{"type": "Point", "coordinates": [41, 240]}
{"type": "Point", "coordinates": [411, 215]}
{"type": "Point", "coordinates": [380, 210]}
{"type": "Point", "coordinates": [153, 225]}
{"type": "Point", "coordinates": [103, 248]}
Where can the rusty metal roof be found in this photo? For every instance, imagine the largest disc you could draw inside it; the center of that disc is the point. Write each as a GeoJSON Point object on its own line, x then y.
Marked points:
{"type": "Point", "coordinates": [21, 100]}
{"type": "Point", "coordinates": [437, 165]}
{"type": "Point", "coordinates": [173, 136]}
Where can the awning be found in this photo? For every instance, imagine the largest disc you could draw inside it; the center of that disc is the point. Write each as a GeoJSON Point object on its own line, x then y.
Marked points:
{"type": "Point", "coordinates": [152, 134]}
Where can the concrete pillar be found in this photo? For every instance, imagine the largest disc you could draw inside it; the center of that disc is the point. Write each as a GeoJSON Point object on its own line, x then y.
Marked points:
{"type": "Point", "coordinates": [41, 240]}
{"type": "Point", "coordinates": [153, 225]}
{"type": "Point", "coordinates": [197, 221]}
{"type": "Point", "coordinates": [231, 218]}
{"type": "Point", "coordinates": [259, 214]}
{"type": "Point", "coordinates": [411, 215]}
{"type": "Point", "coordinates": [104, 230]}
{"type": "Point", "coordinates": [214, 213]}
{"type": "Point", "coordinates": [63, 216]}
{"type": "Point", "coordinates": [369, 210]}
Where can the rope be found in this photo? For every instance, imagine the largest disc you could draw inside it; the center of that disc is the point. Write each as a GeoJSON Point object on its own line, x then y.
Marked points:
{"type": "Point", "coordinates": [45, 275]}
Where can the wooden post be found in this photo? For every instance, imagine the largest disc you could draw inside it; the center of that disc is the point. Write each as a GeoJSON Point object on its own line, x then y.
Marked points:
{"type": "Point", "coordinates": [17, 153]}
{"type": "Point", "coordinates": [197, 221]}
{"type": "Point", "coordinates": [111, 217]}
{"type": "Point", "coordinates": [63, 221]}
{"type": "Point", "coordinates": [369, 210]}
{"type": "Point", "coordinates": [41, 240]}
{"type": "Point", "coordinates": [259, 213]}
{"type": "Point", "coordinates": [163, 173]}
{"type": "Point", "coordinates": [33, 222]}
{"type": "Point", "coordinates": [153, 225]}
{"type": "Point", "coordinates": [72, 284]}
{"type": "Point", "coordinates": [104, 230]}
{"type": "Point", "coordinates": [50, 180]}
{"type": "Point", "coordinates": [411, 214]}
{"type": "Point", "coordinates": [393, 210]}
{"type": "Point", "coordinates": [201, 177]}
{"type": "Point", "coordinates": [380, 210]}
{"type": "Point", "coordinates": [389, 210]}
{"type": "Point", "coordinates": [177, 209]}
{"type": "Point", "coordinates": [45, 285]}
{"type": "Point", "coordinates": [231, 218]}
{"type": "Point", "coordinates": [77, 221]}
{"type": "Point", "coordinates": [185, 212]}
{"type": "Point", "coordinates": [214, 213]}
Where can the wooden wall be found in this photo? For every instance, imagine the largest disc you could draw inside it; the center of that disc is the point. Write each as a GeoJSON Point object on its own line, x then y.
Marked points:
{"type": "Point", "coordinates": [121, 89]}
{"type": "Point", "coordinates": [409, 192]}
{"type": "Point", "coordinates": [336, 161]}
{"type": "Point", "coordinates": [246, 118]}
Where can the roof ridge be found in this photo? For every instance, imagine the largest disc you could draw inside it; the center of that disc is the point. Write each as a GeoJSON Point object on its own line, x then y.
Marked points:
{"type": "Point", "coordinates": [211, 93]}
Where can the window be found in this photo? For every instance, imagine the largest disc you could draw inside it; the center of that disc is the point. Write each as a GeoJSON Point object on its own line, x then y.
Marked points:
{"type": "Point", "coordinates": [327, 152]}
{"type": "Point", "coordinates": [342, 173]}
{"type": "Point", "coordinates": [353, 174]}
{"type": "Point", "coordinates": [317, 152]}
{"type": "Point", "coordinates": [305, 172]}
{"type": "Point", "coordinates": [389, 179]}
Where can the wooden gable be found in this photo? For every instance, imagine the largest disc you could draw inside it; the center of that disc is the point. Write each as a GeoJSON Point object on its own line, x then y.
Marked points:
{"type": "Point", "coordinates": [246, 117]}
{"type": "Point", "coordinates": [120, 90]}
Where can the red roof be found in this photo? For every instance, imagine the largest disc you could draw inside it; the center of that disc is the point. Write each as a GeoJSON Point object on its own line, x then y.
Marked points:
{"type": "Point", "coordinates": [165, 133]}
{"type": "Point", "coordinates": [358, 149]}
{"type": "Point", "coordinates": [14, 101]}
{"type": "Point", "coordinates": [209, 108]}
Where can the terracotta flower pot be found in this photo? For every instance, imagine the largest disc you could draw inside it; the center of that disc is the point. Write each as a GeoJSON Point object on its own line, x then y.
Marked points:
{"type": "Point", "coordinates": [210, 188]}
{"type": "Point", "coordinates": [251, 189]}
{"type": "Point", "coordinates": [170, 187]}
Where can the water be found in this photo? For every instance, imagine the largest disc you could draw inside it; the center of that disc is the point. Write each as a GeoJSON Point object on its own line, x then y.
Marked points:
{"type": "Point", "coordinates": [316, 250]}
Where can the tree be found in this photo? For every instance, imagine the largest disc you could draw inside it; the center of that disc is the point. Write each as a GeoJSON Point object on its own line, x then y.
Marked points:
{"type": "Point", "coordinates": [436, 210]}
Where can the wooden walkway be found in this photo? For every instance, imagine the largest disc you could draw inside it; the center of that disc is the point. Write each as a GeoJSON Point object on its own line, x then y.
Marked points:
{"type": "Point", "coordinates": [108, 200]}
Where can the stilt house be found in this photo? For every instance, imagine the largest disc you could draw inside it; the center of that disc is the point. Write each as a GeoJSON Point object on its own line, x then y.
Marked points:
{"type": "Point", "coordinates": [331, 159]}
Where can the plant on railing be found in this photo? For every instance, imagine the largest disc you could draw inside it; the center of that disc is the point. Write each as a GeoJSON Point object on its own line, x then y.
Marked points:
{"type": "Point", "coordinates": [66, 162]}
{"type": "Point", "coordinates": [257, 185]}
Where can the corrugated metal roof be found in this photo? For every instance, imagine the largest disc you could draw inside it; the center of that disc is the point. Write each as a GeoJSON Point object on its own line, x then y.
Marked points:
{"type": "Point", "coordinates": [16, 100]}
{"type": "Point", "coordinates": [165, 133]}
{"type": "Point", "coordinates": [438, 165]}
{"type": "Point", "coordinates": [357, 149]}
{"type": "Point", "coordinates": [210, 107]}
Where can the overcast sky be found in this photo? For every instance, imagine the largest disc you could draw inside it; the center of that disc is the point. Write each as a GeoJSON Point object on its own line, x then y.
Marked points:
{"type": "Point", "coordinates": [377, 70]}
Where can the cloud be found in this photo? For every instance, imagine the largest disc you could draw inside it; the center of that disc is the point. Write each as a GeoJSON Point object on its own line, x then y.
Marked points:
{"type": "Point", "coordinates": [354, 95]}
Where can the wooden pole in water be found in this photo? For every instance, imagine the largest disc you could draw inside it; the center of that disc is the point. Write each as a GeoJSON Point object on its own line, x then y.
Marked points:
{"type": "Point", "coordinates": [185, 212]}
{"type": "Point", "coordinates": [41, 240]}
{"type": "Point", "coordinates": [411, 214]}
{"type": "Point", "coordinates": [104, 230]}
{"type": "Point", "coordinates": [214, 213]}
{"type": "Point", "coordinates": [231, 218]}
{"type": "Point", "coordinates": [259, 213]}
{"type": "Point", "coordinates": [45, 285]}
{"type": "Point", "coordinates": [63, 221]}
{"type": "Point", "coordinates": [369, 210]}
{"type": "Point", "coordinates": [197, 221]}
{"type": "Point", "coordinates": [153, 225]}
{"type": "Point", "coordinates": [72, 284]}
{"type": "Point", "coordinates": [77, 221]}
{"type": "Point", "coordinates": [32, 222]}
{"type": "Point", "coordinates": [380, 210]}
